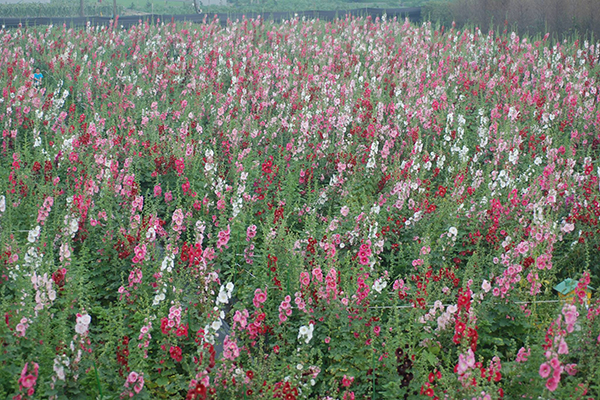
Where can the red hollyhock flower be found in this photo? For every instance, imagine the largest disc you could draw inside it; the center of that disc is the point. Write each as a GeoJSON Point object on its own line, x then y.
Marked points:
{"type": "Point", "coordinates": [197, 393]}
{"type": "Point", "coordinates": [176, 353]}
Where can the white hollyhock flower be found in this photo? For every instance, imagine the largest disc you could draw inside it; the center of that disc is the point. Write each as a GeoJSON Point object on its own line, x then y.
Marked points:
{"type": "Point", "coordinates": [159, 298]}
{"type": "Point", "coordinates": [216, 325]}
{"type": "Point", "coordinates": [151, 234]}
{"type": "Point", "coordinates": [82, 324]}
{"type": "Point", "coordinates": [72, 224]}
{"type": "Point", "coordinates": [379, 285]}
{"type": "Point", "coordinates": [486, 286]}
{"type": "Point", "coordinates": [306, 332]}
{"type": "Point", "coordinates": [222, 297]}
{"type": "Point", "coordinates": [59, 369]}
{"type": "Point", "coordinates": [34, 234]}
{"type": "Point", "coordinates": [167, 264]}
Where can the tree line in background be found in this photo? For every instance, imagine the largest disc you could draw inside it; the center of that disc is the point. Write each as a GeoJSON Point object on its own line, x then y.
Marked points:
{"type": "Point", "coordinates": [558, 17]}
{"type": "Point", "coordinates": [60, 8]}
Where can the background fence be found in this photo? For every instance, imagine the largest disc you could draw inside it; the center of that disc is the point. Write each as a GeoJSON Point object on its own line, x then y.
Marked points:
{"type": "Point", "coordinates": [414, 14]}
{"type": "Point", "coordinates": [558, 17]}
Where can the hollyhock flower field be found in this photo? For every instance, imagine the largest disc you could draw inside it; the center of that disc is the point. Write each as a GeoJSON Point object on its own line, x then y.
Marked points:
{"type": "Point", "coordinates": [358, 209]}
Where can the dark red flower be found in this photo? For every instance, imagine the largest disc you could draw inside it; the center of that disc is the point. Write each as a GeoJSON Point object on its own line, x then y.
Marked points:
{"type": "Point", "coordinates": [176, 353]}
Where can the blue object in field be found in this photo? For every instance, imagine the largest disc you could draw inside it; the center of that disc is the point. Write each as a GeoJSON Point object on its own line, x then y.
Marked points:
{"type": "Point", "coordinates": [37, 78]}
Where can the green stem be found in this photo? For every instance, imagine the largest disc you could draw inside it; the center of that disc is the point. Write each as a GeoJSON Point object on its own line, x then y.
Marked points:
{"type": "Point", "coordinates": [189, 319]}
{"type": "Point", "coordinates": [97, 378]}
{"type": "Point", "coordinates": [373, 373]}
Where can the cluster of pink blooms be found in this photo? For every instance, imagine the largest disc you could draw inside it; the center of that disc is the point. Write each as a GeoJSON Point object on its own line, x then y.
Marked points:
{"type": "Point", "coordinates": [172, 323]}
{"type": "Point", "coordinates": [27, 381]}
{"type": "Point", "coordinates": [223, 238]}
{"type": "Point", "coordinates": [556, 345]}
{"type": "Point", "coordinates": [178, 220]}
{"type": "Point", "coordinates": [523, 355]}
{"type": "Point", "coordinates": [140, 253]}
{"type": "Point", "coordinates": [22, 326]}
{"type": "Point", "coordinates": [241, 318]}
{"type": "Point", "coordinates": [465, 363]}
{"type": "Point", "coordinates": [364, 253]}
{"type": "Point", "coordinates": [300, 303]}
{"type": "Point", "coordinates": [285, 309]}
{"type": "Point", "coordinates": [231, 350]}
{"type": "Point", "coordinates": [250, 232]}
{"type": "Point", "coordinates": [260, 297]}
{"type": "Point", "coordinates": [346, 383]}
{"type": "Point", "coordinates": [145, 337]}
{"type": "Point", "coordinates": [44, 211]}
{"type": "Point", "coordinates": [133, 384]}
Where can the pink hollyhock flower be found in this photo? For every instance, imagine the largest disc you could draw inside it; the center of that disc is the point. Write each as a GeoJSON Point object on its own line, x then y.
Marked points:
{"type": "Point", "coordinates": [331, 279]}
{"type": "Point", "coordinates": [241, 317]}
{"type": "Point", "coordinates": [551, 384]}
{"type": "Point", "coordinates": [417, 262]}
{"type": "Point", "coordinates": [231, 350]}
{"type": "Point", "coordinates": [250, 232]}
{"type": "Point", "coordinates": [562, 347]}
{"type": "Point", "coordinates": [27, 381]}
{"type": "Point", "coordinates": [347, 381]}
{"type": "Point", "coordinates": [557, 372]}
{"type": "Point", "coordinates": [139, 386]}
{"type": "Point", "coordinates": [462, 366]}
{"type": "Point", "coordinates": [223, 238]}
{"type": "Point", "coordinates": [470, 358]}
{"type": "Point", "coordinates": [523, 354]}
{"type": "Point", "coordinates": [259, 298]}
{"type": "Point", "coordinates": [318, 274]}
{"type": "Point", "coordinates": [178, 217]}
{"type": "Point", "coordinates": [304, 278]}
{"type": "Point", "coordinates": [140, 253]}
{"type": "Point", "coordinates": [571, 369]}
{"type": "Point", "coordinates": [132, 377]}
{"type": "Point", "coordinates": [545, 370]}
{"type": "Point", "coordinates": [21, 329]}
{"type": "Point", "coordinates": [570, 313]}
